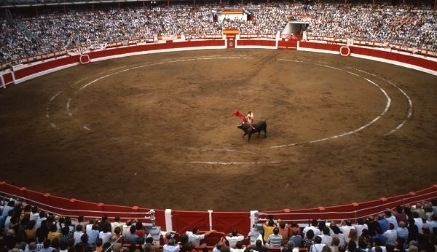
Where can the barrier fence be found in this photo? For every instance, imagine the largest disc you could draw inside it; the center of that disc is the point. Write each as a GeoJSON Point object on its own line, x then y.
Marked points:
{"type": "Point", "coordinates": [180, 220]}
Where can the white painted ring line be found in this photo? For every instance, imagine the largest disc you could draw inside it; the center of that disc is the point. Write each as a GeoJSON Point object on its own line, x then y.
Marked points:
{"type": "Point", "coordinates": [388, 102]}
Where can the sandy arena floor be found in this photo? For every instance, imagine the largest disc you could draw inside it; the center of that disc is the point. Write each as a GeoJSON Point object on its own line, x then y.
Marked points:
{"type": "Point", "coordinates": [157, 131]}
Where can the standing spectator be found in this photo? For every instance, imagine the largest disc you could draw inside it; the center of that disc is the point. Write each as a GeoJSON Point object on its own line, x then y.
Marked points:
{"type": "Point", "coordinates": [171, 246]}
{"type": "Point", "coordinates": [337, 233]}
{"type": "Point", "coordinates": [296, 238]}
{"type": "Point", "coordinates": [126, 227]}
{"type": "Point", "coordinates": [351, 247]}
{"type": "Point", "coordinates": [42, 232]}
{"type": "Point", "coordinates": [34, 214]}
{"type": "Point", "coordinates": [366, 237]}
{"type": "Point", "coordinates": [98, 245]}
{"type": "Point", "coordinates": [413, 231]}
{"type": "Point", "coordinates": [268, 229]}
{"type": "Point", "coordinates": [195, 237]}
{"type": "Point", "coordinates": [140, 230]}
{"type": "Point", "coordinates": [104, 224]}
{"type": "Point", "coordinates": [254, 234]}
{"type": "Point", "coordinates": [54, 234]}
{"type": "Point", "coordinates": [418, 221]}
{"type": "Point", "coordinates": [284, 231]}
{"type": "Point", "coordinates": [326, 237]}
{"type": "Point", "coordinates": [418, 208]}
{"type": "Point", "coordinates": [5, 211]}
{"type": "Point", "coordinates": [377, 243]}
{"type": "Point", "coordinates": [116, 223]}
{"type": "Point", "coordinates": [390, 218]}
{"type": "Point", "coordinates": [400, 214]}
{"type": "Point", "coordinates": [116, 235]}
{"type": "Point", "coordinates": [78, 234]}
{"type": "Point", "coordinates": [352, 237]}
{"type": "Point", "coordinates": [372, 225]}
{"type": "Point", "coordinates": [131, 237]}
{"type": "Point", "coordinates": [317, 246]}
{"type": "Point", "coordinates": [291, 247]}
{"type": "Point", "coordinates": [275, 239]}
{"type": "Point", "coordinates": [105, 234]}
{"type": "Point", "coordinates": [7, 220]}
{"type": "Point", "coordinates": [47, 246]}
{"type": "Point", "coordinates": [314, 225]}
{"type": "Point", "coordinates": [30, 231]}
{"type": "Point", "coordinates": [360, 225]}
{"type": "Point", "coordinates": [233, 238]}
{"type": "Point", "coordinates": [346, 227]}
{"type": "Point", "coordinates": [218, 246]}
{"type": "Point", "coordinates": [383, 223]}
{"type": "Point", "coordinates": [432, 223]}
{"type": "Point", "coordinates": [239, 247]}
{"type": "Point", "coordinates": [10, 239]}
{"type": "Point", "coordinates": [402, 230]}
{"type": "Point", "coordinates": [295, 227]}
{"type": "Point", "coordinates": [258, 246]}
{"type": "Point", "coordinates": [93, 234]}
{"type": "Point", "coordinates": [66, 234]}
{"type": "Point", "coordinates": [42, 216]}
{"type": "Point", "coordinates": [308, 240]}
{"type": "Point", "coordinates": [390, 237]}
{"type": "Point", "coordinates": [335, 245]}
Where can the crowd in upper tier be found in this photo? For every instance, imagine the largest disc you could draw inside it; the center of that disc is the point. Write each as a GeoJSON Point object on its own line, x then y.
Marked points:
{"type": "Point", "coordinates": [22, 35]}
{"type": "Point", "coordinates": [26, 228]}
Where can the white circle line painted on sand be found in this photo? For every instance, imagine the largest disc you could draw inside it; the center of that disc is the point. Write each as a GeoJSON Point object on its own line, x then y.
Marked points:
{"type": "Point", "coordinates": [409, 101]}
{"type": "Point", "coordinates": [125, 69]}
{"type": "Point", "coordinates": [213, 149]}
{"type": "Point", "coordinates": [388, 102]}
{"type": "Point", "coordinates": [387, 106]}
{"type": "Point", "coordinates": [152, 64]}
{"type": "Point", "coordinates": [233, 163]}
{"type": "Point", "coordinates": [49, 105]}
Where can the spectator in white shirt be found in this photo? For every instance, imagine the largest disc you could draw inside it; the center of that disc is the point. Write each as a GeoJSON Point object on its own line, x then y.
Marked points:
{"type": "Point", "coordinates": [195, 237]}
{"type": "Point", "coordinates": [233, 238]}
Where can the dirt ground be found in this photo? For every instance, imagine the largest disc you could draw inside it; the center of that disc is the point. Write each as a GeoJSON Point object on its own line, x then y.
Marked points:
{"type": "Point", "coordinates": [157, 131]}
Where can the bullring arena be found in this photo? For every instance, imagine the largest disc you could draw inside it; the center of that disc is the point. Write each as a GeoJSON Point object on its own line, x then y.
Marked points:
{"type": "Point", "coordinates": [156, 130]}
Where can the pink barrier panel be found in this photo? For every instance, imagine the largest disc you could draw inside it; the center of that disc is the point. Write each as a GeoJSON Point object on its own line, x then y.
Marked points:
{"type": "Point", "coordinates": [252, 42]}
{"type": "Point", "coordinates": [63, 206]}
{"type": "Point", "coordinates": [227, 221]}
{"type": "Point", "coordinates": [44, 199]}
{"type": "Point", "coordinates": [9, 189]}
{"type": "Point", "coordinates": [85, 208]}
{"type": "Point", "coordinates": [8, 78]}
{"type": "Point", "coordinates": [404, 58]}
{"type": "Point", "coordinates": [150, 47]}
{"type": "Point", "coordinates": [320, 46]}
{"type": "Point", "coordinates": [186, 221]}
{"type": "Point", "coordinates": [39, 67]}
{"type": "Point", "coordinates": [291, 43]}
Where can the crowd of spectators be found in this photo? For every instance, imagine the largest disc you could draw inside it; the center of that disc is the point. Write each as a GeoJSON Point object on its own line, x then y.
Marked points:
{"type": "Point", "coordinates": [26, 228]}
{"type": "Point", "coordinates": [67, 28]}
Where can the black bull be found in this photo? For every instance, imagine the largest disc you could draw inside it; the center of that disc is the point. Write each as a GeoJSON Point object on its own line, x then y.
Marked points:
{"type": "Point", "coordinates": [256, 127]}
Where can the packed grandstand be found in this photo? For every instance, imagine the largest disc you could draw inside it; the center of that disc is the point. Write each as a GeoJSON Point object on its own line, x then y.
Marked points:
{"type": "Point", "coordinates": [28, 32]}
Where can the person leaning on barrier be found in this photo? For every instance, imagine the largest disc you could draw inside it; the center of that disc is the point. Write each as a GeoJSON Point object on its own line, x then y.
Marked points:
{"type": "Point", "coordinates": [233, 238]}
{"type": "Point", "coordinates": [195, 237]}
